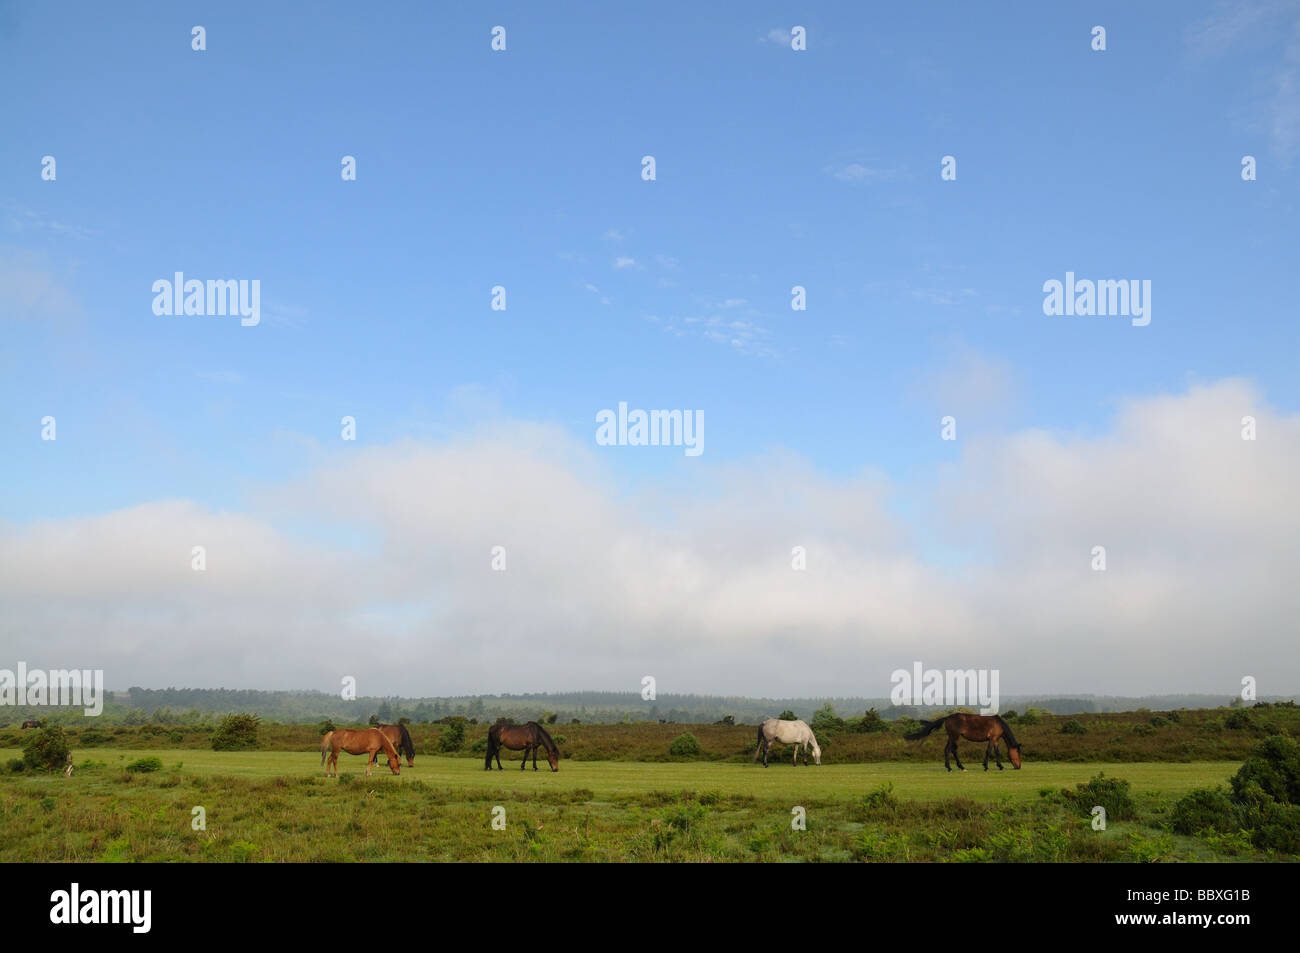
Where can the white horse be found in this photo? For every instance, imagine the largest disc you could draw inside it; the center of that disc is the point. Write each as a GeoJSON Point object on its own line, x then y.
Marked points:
{"type": "Point", "coordinates": [795, 733]}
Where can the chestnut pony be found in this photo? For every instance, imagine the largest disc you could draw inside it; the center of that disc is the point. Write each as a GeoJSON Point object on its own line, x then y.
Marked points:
{"type": "Point", "coordinates": [988, 728]}
{"type": "Point", "coordinates": [401, 739]}
{"type": "Point", "coordinates": [529, 737]}
{"type": "Point", "coordinates": [367, 741]}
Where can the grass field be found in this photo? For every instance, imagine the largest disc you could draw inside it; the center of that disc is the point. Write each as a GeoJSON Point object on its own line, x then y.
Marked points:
{"type": "Point", "coordinates": [276, 806]}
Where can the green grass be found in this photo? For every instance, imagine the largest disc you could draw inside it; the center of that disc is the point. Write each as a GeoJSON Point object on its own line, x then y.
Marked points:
{"type": "Point", "coordinates": [277, 806]}
{"type": "Point", "coordinates": [914, 782]}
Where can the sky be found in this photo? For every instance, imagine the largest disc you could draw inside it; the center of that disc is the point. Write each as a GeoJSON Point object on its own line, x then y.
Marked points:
{"type": "Point", "coordinates": [823, 428]}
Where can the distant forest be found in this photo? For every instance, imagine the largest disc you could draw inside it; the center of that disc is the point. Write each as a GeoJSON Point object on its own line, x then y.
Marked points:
{"type": "Point", "coordinates": [195, 705]}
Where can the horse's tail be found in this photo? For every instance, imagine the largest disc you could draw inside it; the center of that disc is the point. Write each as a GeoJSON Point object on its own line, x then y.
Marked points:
{"type": "Point", "coordinates": [1006, 733]}
{"type": "Point", "coordinates": [325, 745]}
{"type": "Point", "coordinates": [928, 726]}
{"type": "Point", "coordinates": [408, 746]}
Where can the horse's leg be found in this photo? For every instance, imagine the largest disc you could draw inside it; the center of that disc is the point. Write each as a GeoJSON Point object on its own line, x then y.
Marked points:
{"type": "Point", "coordinates": [957, 756]}
{"type": "Point", "coordinates": [946, 749]}
{"type": "Point", "coordinates": [523, 762]}
{"type": "Point", "coordinates": [997, 754]}
{"type": "Point", "coordinates": [535, 747]}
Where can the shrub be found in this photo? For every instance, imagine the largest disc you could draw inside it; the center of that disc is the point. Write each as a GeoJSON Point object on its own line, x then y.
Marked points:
{"type": "Point", "coordinates": [872, 722]}
{"type": "Point", "coordinates": [787, 715]}
{"type": "Point", "coordinates": [1010, 715]}
{"type": "Point", "coordinates": [326, 726]}
{"type": "Point", "coordinates": [176, 737]}
{"type": "Point", "coordinates": [1142, 728]}
{"type": "Point", "coordinates": [685, 744]}
{"type": "Point", "coordinates": [453, 736]}
{"type": "Point", "coordinates": [1205, 809]}
{"type": "Point", "coordinates": [93, 738]}
{"type": "Point", "coordinates": [1111, 793]}
{"type": "Point", "coordinates": [145, 765]}
{"type": "Point", "coordinates": [1030, 717]}
{"type": "Point", "coordinates": [1239, 720]}
{"type": "Point", "coordinates": [1158, 721]}
{"type": "Point", "coordinates": [47, 748]}
{"type": "Point", "coordinates": [15, 766]}
{"type": "Point", "coordinates": [1274, 766]}
{"type": "Point", "coordinates": [1074, 727]}
{"type": "Point", "coordinates": [237, 733]}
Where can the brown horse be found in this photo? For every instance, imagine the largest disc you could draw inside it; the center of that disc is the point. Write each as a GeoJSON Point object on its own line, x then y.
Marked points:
{"type": "Point", "coordinates": [367, 741]}
{"type": "Point", "coordinates": [401, 739]}
{"type": "Point", "coordinates": [32, 724]}
{"type": "Point", "coordinates": [988, 728]}
{"type": "Point", "coordinates": [529, 737]}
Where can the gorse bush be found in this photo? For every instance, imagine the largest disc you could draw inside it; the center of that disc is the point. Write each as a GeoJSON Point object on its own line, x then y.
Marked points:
{"type": "Point", "coordinates": [1111, 793]}
{"type": "Point", "coordinates": [453, 736]}
{"type": "Point", "coordinates": [145, 765]}
{"type": "Point", "coordinates": [1205, 809]}
{"type": "Point", "coordinates": [47, 749]}
{"type": "Point", "coordinates": [1073, 727]}
{"type": "Point", "coordinates": [684, 744]}
{"type": "Point", "coordinates": [1265, 799]}
{"type": "Point", "coordinates": [236, 733]}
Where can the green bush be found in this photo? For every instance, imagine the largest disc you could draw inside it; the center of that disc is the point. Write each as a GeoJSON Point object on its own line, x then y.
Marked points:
{"type": "Point", "coordinates": [872, 722]}
{"type": "Point", "coordinates": [237, 733]}
{"type": "Point", "coordinates": [176, 737]}
{"type": "Point", "coordinates": [1030, 717]}
{"type": "Point", "coordinates": [787, 715]}
{"type": "Point", "coordinates": [1274, 766]}
{"type": "Point", "coordinates": [326, 726]}
{"type": "Point", "coordinates": [145, 765]}
{"type": "Point", "coordinates": [453, 736]}
{"type": "Point", "coordinates": [685, 744]}
{"type": "Point", "coordinates": [1111, 793]}
{"type": "Point", "coordinates": [93, 738]}
{"type": "Point", "coordinates": [1239, 720]}
{"type": "Point", "coordinates": [1074, 727]}
{"type": "Point", "coordinates": [1142, 728]}
{"type": "Point", "coordinates": [1158, 721]}
{"type": "Point", "coordinates": [1205, 809]}
{"type": "Point", "coordinates": [47, 748]}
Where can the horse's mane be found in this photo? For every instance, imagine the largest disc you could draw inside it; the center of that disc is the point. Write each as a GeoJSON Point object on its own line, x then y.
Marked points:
{"type": "Point", "coordinates": [1006, 730]}
{"type": "Point", "coordinates": [546, 738]}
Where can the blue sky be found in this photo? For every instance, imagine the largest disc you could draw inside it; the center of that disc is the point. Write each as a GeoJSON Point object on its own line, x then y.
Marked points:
{"type": "Point", "coordinates": [521, 168]}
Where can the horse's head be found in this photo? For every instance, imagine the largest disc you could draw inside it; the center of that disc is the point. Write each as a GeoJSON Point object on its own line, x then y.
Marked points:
{"type": "Point", "coordinates": [1015, 756]}
{"type": "Point", "coordinates": [817, 753]}
{"type": "Point", "coordinates": [553, 756]}
{"type": "Point", "coordinates": [395, 764]}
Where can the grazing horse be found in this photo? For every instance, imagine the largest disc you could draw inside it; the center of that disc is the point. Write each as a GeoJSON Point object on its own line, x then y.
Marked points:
{"type": "Point", "coordinates": [367, 741]}
{"type": "Point", "coordinates": [989, 728]}
{"type": "Point", "coordinates": [32, 724]}
{"type": "Point", "coordinates": [795, 733]}
{"type": "Point", "coordinates": [529, 737]}
{"type": "Point", "coordinates": [401, 739]}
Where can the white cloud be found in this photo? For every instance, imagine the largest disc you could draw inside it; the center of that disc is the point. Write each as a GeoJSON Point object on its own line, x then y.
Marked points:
{"type": "Point", "coordinates": [622, 262]}
{"type": "Point", "coordinates": [605, 584]}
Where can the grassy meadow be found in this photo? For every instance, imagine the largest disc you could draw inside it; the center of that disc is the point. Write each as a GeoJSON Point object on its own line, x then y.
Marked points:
{"type": "Point", "coordinates": [620, 795]}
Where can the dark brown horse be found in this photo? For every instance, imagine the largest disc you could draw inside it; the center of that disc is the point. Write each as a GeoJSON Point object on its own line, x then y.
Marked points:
{"type": "Point", "coordinates": [529, 737]}
{"type": "Point", "coordinates": [988, 728]}
{"type": "Point", "coordinates": [401, 739]}
{"type": "Point", "coordinates": [367, 741]}
{"type": "Point", "coordinates": [32, 724]}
